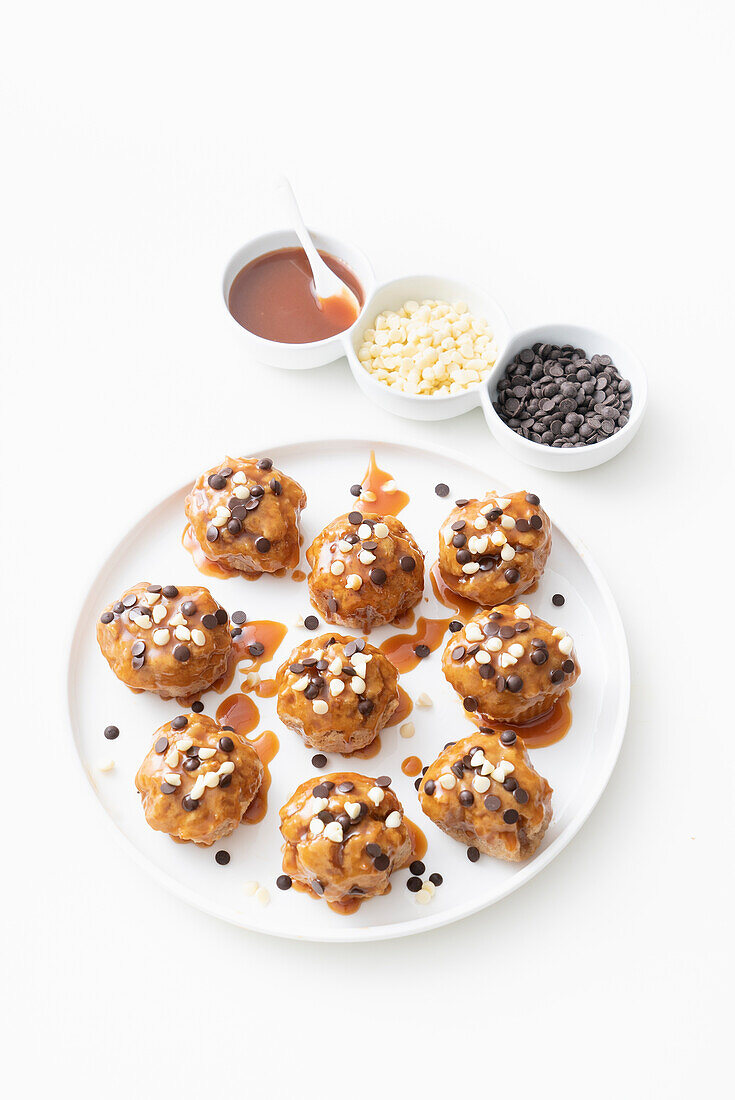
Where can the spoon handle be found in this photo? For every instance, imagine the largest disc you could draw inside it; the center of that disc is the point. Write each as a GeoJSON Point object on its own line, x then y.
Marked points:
{"type": "Point", "coordinates": [315, 260]}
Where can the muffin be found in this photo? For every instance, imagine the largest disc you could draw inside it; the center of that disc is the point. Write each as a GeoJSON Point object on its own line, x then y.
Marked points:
{"type": "Point", "coordinates": [484, 792]}
{"type": "Point", "coordinates": [245, 515]}
{"type": "Point", "coordinates": [198, 780]}
{"type": "Point", "coordinates": [366, 570]}
{"type": "Point", "coordinates": [492, 550]}
{"type": "Point", "coordinates": [172, 641]}
{"type": "Point", "coordinates": [509, 665]}
{"type": "Point", "coordinates": [337, 693]}
{"type": "Point", "coordinates": [343, 836]}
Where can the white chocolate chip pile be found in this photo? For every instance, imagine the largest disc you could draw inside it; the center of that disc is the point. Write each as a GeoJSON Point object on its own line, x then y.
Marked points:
{"type": "Point", "coordinates": [429, 348]}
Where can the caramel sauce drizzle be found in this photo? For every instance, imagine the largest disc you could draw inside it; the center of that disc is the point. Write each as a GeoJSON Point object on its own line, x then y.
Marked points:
{"type": "Point", "coordinates": [545, 730]}
{"type": "Point", "coordinates": [204, 564]}
{"type": "Point", "coordinates": [260, 631]}
{"type": "Point", "coordinates": [388, 502]}
{"type": "Point", "coordinates": [464, 608]}
{"type": "Point", "coordinates": [404, 708]}
{"type": "Point", "coordinates": [400, 648]}
{"type": "Point", "coordinates": [240, 712]}
{"type": "Point", "coordinates": [411, 766]}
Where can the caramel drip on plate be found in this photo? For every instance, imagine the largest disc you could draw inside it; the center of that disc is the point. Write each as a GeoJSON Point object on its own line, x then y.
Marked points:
{"type": "Point", "coordinates": [266, 745]}
{"type": "Point", "coordinates": [411, 766]}
{"type": "Point", "coordinates": [388, 502]}
{"type": "Point", "coordinates": [465, 608]}
{"type": "Point", "coordinates": [400, 648]}
{"type": "Point", "coordinates": [204, 564]}
{"type": "Point", "coordinates": [547, 729]}
{"type": "Point", "coordinates": [404, 708]}
{"type": "Point", "coordinates": [240, 712]}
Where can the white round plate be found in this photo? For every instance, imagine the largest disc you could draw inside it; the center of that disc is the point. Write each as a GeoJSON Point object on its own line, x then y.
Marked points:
{"type": "Point", "coordinates": [578, 767]}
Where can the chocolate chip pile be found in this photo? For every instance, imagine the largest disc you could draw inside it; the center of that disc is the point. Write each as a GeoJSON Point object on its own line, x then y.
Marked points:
{"type": "Point", "coordinates": [557, 396]}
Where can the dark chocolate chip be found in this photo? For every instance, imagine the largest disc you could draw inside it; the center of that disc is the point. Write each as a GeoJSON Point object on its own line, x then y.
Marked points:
{"type": "Point", "coordinates": [514, 683]}
{"type": "Point", "coordinates": [226, 744]}
{"type": "Point", "coordinates": [262, 545]}
{"type": "Point", "coordinates": [422, 651]}
{"type": "Point", "coordinates": [441, 489]}
{"type": "Point", "coordinates": [161, 745]}
{"type": "Point", "coordinates": [510, 817]}
{"type": "Point", "coordinates": [179, 722]}
{"type": "Point", "coordinates": [520, 795]}
{"type": "Point", "coordinates": [265, 463]}
{"type": "Point", "coordinates": [319, 760]}
{"type": "Point", "coordinates": [473, 853]}
{"type": "Point", "coordinates": [436, 878]}
{"type": "Point", "coordinates": [556, 675]}
{"type": "Point", "coordinates": [531, 498]}
{"type": "Point", "coordinates": [470, 703]}
{"type": "Point", "coordinates": [429, 786]}
{"type": "Point", "coordinates": [221, 616]}
{"type": "Point", "coordinates": [512, 575]}
{"type": "Point", "coordinates": [222, 857]}
{"type": "Point", "coordinates": [283, 882]}
{"type": "Point", "coordinates": [106, 617]}
{"type": "Point", "coordinates": [355, 518]}
{"type": "Point", "coordinates": [189, 804]}
{"type": "Point", "coordinates": [111, 732]}
{"type": "Point", "coordinates": [492, 803]}
{"type": "Point", "coordinates": [407, 563]}
{"type": "Point", "coordinates": [311, 622]}
{"type": "Point", "coordinates": [378, 576]}
{"type": "Point", "coordinates": [414, 884]}
{"type": "Point", "coordinates": [455, 625]}
{"type": "Point", "coordinates": [170, 591]}
{"type": "Point", "coordinates": [167, 788]}
{"type": "Point", "coordinates": [508, 737]}
{"type": "Point", "coordinates": [182, 653]}
{"type": "Point", "coordinates": [466, 798]}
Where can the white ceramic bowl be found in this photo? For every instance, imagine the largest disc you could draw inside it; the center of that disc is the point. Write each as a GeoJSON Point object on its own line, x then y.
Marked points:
{"type": "Point", "coordinates": [567, 458]}
{"type": "Point", "coordinates": [319, 352]}
{"type": "Point", "coordinates": [392, 295]}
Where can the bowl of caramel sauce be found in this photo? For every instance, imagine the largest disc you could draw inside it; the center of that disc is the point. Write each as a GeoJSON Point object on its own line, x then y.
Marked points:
{"type": "Point", "coordinates": [269, 292]}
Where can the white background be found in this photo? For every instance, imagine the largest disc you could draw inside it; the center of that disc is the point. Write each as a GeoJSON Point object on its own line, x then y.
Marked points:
{"type": "Point", "coordinates": [575, 160]}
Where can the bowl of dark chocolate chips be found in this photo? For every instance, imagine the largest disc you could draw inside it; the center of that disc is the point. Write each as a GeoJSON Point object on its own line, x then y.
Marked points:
{"type": "Point", "coordinates": [564, 397]}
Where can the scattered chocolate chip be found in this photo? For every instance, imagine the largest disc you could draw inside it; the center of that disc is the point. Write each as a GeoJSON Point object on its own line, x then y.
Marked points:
{"type": "Point", "coordinates": [130, 600]}
{"type": "Point", "coordinates": [512, 576]}
{"type": "Point", "coordinates": [256, 649]}
{"type": "Point", "coordinates": [556, 675]}
{"type": "Point", "coordinates": [461, 502]}
{"type": "Point", "coordinates": [492, 803]}
{"type": "Point", "coordinates": [510, 817]}
{"type": "Point", "coordinates": [193, 750]}
{"type": "Point", "coordinates": [536, 522]}
{"type": "Point", "coordinates": [407, 563]}
{"type": "Point", "coordinates": [470, 703]}
{"type": "Point", "coordinates": [276, 487]}
{"type": "Point", "coordinates": [283, 882]}
{"type": "Point", "coordinates": [487, 671]}
{"type": "Point", "coordinates": [111, 732]}
{"type": "Point", "coordinates": [441, 489]}
{"type": "Point", "coordinates": [118, 608]}
{"type": "Point", "coordinates": [417, 867]}
{"type": "Point", "coordinates": [170, 591]}
{"type": "Point", "coordinates": [137, 663]}
{"type": "Point", "coordinates": [383, 781]}
{"type": "Point", "coordinates": [520, 795]}
{"type": "Point", "coordinates": [265, 463]}
{"type": "Point", "coordinates": [311, 622]}
{"type": "Point", "coordinates": [355, 490]}
{"type": "Point", "coordinates": [378, 576]}
{"type": "Point", "coordinates": [500, 684]}
{"type": "Point", "coordinates": [458, 653]}
{"type": "Point", "coordinates": [192, 763]}
{"type": "Point", "coordinates": [212, 533]}
{"type": "Point", "coordinates": [216, 481]}
{"type": "Point", "coordinates": [167, 788]}
{"type": "Point", "coordinates": [459, 524]}
{"type": "Point", "coordinates": [189, 804]}
{"type": "Point", "coordinates": [531, 498]}
{"type": "Point", "coordinates": [319, 760]}
{"type": "Point", "coordinates": [568, 666]}
{"type": "Point", "coordinates": [222, 857]}
{"type": "Point", "coordinates": [510, 783]}
{"type": "Point", "coordinates": [106, 617]}
{"type": "Point", "coordinates": [558, 600]}
{"type": "Point", "coordinates": [458, 768]}
{"type": "Point", "coordinates": [234, 526]}
{"type": "Point", "coordinates": [355, 518]}
{"type": "Point", "coordinates": [455, 625]}
{"type": "Point", "coordinates": [414, 884]}
{"type": "Point", "coordinates": [209, 622]}
{"type": "Point", "coordinates": [262, 545]}
{"type": "Point", "coordinates": [473, 854]}
{"type": "Point", "coordinates": [189, 608]}
{"type": "Point", "coordinates": [179, 722]}
{"type": "Point", "coordinates": [466, 798]}
{"type": "Point", "coordinates": [161, 745]}
{"type": "Point", "coordinates": [373, 850]}
{"type": "Point", "coordinates": [514, 683]}
{"type": "Point", "coordinates": [346, 787]}
{"type": "Point", "coordinates": [539, 656]}
{"type": "Point", "coordinates": [429, 786]}
{"type": "Point", "coordinates": [197, 707]}
{"type": "Point", "coordinates": [182, 653]}
{"type": "Point", "coordinates": [332, 605]}
{"type": "Point", "coordinates": [508, 737]}
{"type": "Point", "coordinates": [506, 632]}
{"type": "Point", "coordinates": [421, 651]}
{"type": "Point", "coordinates": [221, 616]}
{"type": "Point", "coordinates": [436, 878]}
{"type": "Point", "coordinates": [226, 744]}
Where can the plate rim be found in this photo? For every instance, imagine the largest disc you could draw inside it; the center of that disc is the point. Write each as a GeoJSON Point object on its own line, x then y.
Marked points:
{"type": "Point", "coordinates": [426, 922]}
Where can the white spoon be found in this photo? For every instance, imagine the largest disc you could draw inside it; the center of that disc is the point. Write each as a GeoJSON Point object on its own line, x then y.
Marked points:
{"type": "Point", "coordinates": [326, 284]}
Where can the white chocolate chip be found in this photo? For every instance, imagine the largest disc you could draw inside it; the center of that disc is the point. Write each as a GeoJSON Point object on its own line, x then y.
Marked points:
{"type": "Point", "coordinates": [221, 510]}
{"type": "Point", "coordinates": [161, 637]}
{"type": "Point", "coordinates": [487, 768]}
{"type": "Point", "coordinates": [424, 700]}
{"type": "Point", "coordinates": [522, 612]}
{"type": "Point", "coordinates": [301, 684]}
{"type": "Point", "coordinates": [481, 784]}
{"type": "Point", "coordinates": [198, 637]}
{"type": "Point", "coordinates": [507, 522]}
{"type": "Point", "coordinates": [333, 831]}
{"type": "Point", "coordinates": [477, 759]}
{"type": "Point", "coordinates": [494, 644]}
{"type": "Point", "coordinates": [473, 633]}
{"type": "Point", "coordinates": [241, 492]}
{"type": "Point", "coordinates": [357, 684]}
{"type": "Point", "coordinates": [407, 729]}
{"type": "Point", "coordinates": [250, 888]}
{"type": "Point", "coordinates": [448, 781]}
{"type": "Point", "coordinates": [316, 826]}
{"type": "Point", "coordinates": [160, 611]}
{"type": "Point", "coordinates": [376, 795]}
{"type": "Point", "coordinates": [206, 754]}
{"type": "Point", "coordinates": [566, 645]}
{"type": "Point", "coordinates": [470, 567]}
{"type": "Point", "coordinates": [184, 743]}
{"type": "Point", "coordinates": [344, 546]}
{"type": "Point", "coordinates": [380, 530]}
{"type": "Point", "coordinates": [558, 632]}
{"type": "Point", "coordinates": [337, 568]}
{"type": "Point", "coordinates": [182, 633]}
{"type": "Point", "coordinates": [336, 666]}
{"type": "Point", "coordinates": [219, 521]}
{"type": "Point", "coordinates": [507, 553]}
{"type": "Point", "coordinates": [366, 557]}
{"type": "Point", "coordinates": [262, 896]}
{"type": "Point", "coordinates": [369, 495]}
{"type": "Point", "coordinates": [239, 478]}
{"type": "Point", "coordinates": [106, 765]}
{"type": "Point", "coordinates": [423, 897]}
{"type": "Point", "coordinates": [199, 787]}
{"type": "Point", "coordinates": [354, 582]}
{"type": "Point", "coordinates": [143, 622]}
{"type": "Point", "coordinates": [516, 649]}
{"type": "Point", "coordinates": [227, 768]}
{"type": "Point", "coordinates": [482, 657]}
{"type": "Point", "coordinates": [316, 804]}
{"type": "Point", "coordinates": [393, 820]}
{"type": "Point", "coordinates": [336, 687]}
{"type": "Point", "coordinates": [152, 597]}
{"type": "Point", "coordinates": [352, 809]}
{"type": "Point", "coordinates": [503, 502]}
{"type": "Point", "coordinates": [320, 706]}
{"type": "Point", "coordinates": [480, 523]}
{"type": "Point", "coordinates": [505, 660]}
{"type": "Point", "coordinates": [364, 531]}
{"type": "Point", "coordinates": [211, 779]}
{"type": "Point", "coordinates": [172, 757]}
{"type": "Point", "coordinates": [177, 620]}
{"type": "Point", "coordinates": [497, 538]}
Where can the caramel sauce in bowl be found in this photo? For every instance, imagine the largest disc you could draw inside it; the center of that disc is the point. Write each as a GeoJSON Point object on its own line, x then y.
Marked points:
{"type": "Point", "coordinates": [310, 353]}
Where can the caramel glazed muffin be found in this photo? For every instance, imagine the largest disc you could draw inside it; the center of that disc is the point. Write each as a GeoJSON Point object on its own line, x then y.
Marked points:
{"type": "Point", "coordinates": [366, 570]}
{"type": "Point", "coordinates": [484, 792]}
{"type": "Point", "coordinates": [494, 549]}
{"type": "Point", "coordinates": [245, 515]}
{"type": "Point", "coordinates": [337, 692]}
{"type": "Point", "coordinates": [509, 665]}
{"type": "Point", "coordinates": [344, 836]}
{"type": "Point", "coordinates": [198, 779]}
{"type": "Point", "coordinates": [168, 640]}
